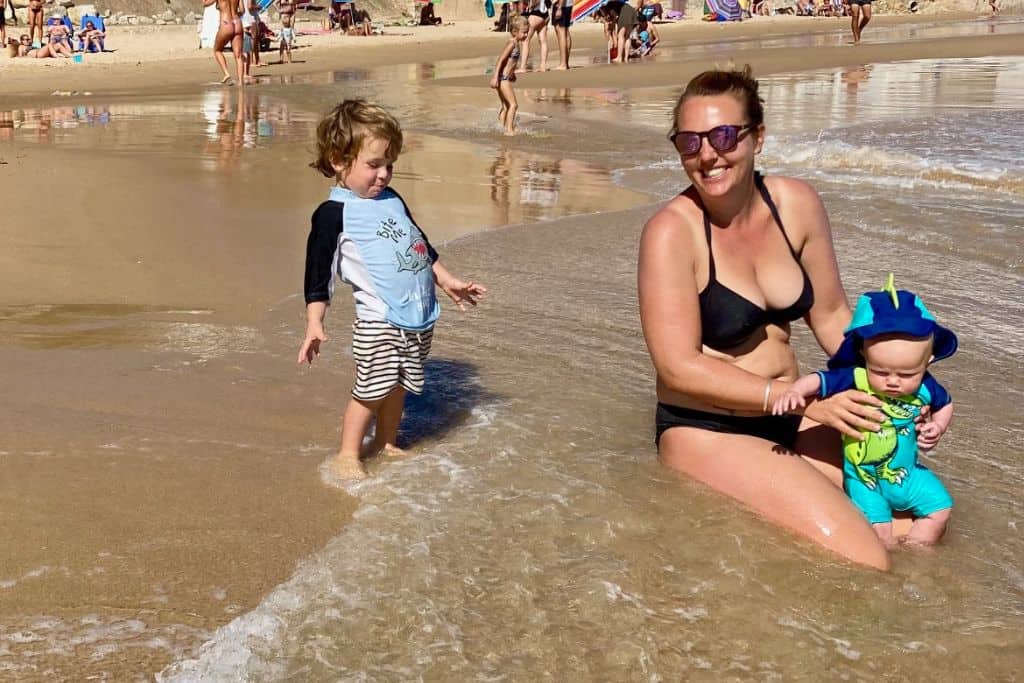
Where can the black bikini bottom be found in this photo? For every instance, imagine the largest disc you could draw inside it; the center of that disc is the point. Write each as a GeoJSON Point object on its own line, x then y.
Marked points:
{"type": "Point", "coordinates": [780, 429]}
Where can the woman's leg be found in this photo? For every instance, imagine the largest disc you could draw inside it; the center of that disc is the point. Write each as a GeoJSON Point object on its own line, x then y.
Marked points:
{"type": "Point", "coordinates": [525, 52]}
{"type": "Point", "coordinates": [224, 34]}
{"type": "Point", "coordinates": [236, 51]}
{"type": "Point", "coordinates": [542, 34]}
{"type": "Point", "coordinates": [779, 485]}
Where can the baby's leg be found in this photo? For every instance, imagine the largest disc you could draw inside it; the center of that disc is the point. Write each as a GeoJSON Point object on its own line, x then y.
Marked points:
{"type": "Point", "coordinates": [884, 532]}
{"type": "Point", "coordinates": [928, 530]}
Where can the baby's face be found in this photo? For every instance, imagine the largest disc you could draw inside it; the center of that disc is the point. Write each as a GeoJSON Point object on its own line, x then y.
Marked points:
{"type": "Point", "coordinates": [896, 364]}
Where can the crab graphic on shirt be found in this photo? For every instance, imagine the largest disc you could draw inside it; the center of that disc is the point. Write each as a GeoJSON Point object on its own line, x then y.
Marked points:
{"type": "Point", "coordinates": [415, 258]}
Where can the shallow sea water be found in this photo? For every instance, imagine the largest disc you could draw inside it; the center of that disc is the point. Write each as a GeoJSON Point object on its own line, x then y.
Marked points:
{"type": "Point", "coordinates": [532, 534]}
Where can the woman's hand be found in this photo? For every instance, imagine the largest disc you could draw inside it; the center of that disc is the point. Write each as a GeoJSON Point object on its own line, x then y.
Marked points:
{"type": "Point", "coordinates": [849, 412]}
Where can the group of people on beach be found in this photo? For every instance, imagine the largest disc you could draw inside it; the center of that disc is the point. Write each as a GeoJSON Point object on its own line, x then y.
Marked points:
{"type": "Point", "coordinates": [725, 268]}
{"type": "Point", "coordinates": [243, 30]}
{"type": "Point", "coordinates": [53, 37]}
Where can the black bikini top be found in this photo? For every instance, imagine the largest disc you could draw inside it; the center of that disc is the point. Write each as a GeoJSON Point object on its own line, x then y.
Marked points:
{"type": "Point", "coordinates": [728, 319]}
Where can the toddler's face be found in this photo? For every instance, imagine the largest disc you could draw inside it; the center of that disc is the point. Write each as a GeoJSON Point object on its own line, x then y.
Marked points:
{"type": "Point", "coordinates": [896, 364]}
{"type": "Point", "coordinates": [370, 172]}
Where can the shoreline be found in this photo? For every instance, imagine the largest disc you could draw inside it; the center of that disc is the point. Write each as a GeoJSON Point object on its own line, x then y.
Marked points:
{"type": "Point", "coordinates": [137, 67]}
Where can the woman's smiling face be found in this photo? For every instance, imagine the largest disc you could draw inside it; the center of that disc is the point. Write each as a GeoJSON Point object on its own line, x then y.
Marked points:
{"type": "Point", "coordinates": [711, 171]}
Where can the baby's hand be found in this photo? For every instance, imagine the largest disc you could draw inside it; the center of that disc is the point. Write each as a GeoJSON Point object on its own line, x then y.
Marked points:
{"type": "Point", "coordinates": [787, 402]}
{"type": "Point", "coordinates": [928, 435]}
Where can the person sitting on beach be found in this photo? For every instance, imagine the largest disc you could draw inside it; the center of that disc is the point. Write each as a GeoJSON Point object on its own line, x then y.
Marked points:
{"type": "Point", "coordinates": [724, 269]}
{"type": "Point", "coordinates": [359, 233]}
{"type": "Point", "coordinates": [361, 23]}
{"type": "Point", "coordinates": [427, 17]}
{"type": "Point", "coordinates": [645, 37]}
{"type": "Point", "coordinates": [24, 49]}
{"type": "Point", "coordinates": [886, 352]}
{"type": "Point", "coordinates": [339, 16]}
{"type": "Point", "coordinates": [92, 37]}
{"type": "Point", "coordinates": [58, 32]}
{"type": "Point", "coordinates": [650, 10]}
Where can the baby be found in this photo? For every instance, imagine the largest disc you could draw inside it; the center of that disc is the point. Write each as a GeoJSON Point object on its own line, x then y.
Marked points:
{"type": "Point", "coordinates": [886, 352]}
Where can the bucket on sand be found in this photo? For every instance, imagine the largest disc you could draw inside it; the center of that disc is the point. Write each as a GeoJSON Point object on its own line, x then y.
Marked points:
{"type": "Point", "coordinates": [77, 59]}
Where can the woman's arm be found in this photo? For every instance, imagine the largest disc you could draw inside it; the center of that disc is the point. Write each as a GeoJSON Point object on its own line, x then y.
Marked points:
{"type": "Point", "coordinates": [670, 317]}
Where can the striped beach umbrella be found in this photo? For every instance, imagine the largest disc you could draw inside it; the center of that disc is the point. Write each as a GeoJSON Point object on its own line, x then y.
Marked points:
{"type": "Point", "coordinates": [584, 8]}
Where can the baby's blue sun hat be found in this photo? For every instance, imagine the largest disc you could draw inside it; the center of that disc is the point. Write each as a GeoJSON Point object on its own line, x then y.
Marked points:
{"type": "Point", "coordinates": [891, 311]}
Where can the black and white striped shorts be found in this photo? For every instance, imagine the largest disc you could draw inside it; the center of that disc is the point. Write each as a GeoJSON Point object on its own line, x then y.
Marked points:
{"type": "Point", "coordinates": [387, 357]}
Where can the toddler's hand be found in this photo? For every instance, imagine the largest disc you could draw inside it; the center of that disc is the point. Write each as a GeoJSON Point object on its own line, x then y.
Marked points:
{"type": "Point", "coordinates": [463, 292]}
{"type": "Point", "coordinates": [787, 402]}
{"type": "Point", "coordinates": [311, 345]}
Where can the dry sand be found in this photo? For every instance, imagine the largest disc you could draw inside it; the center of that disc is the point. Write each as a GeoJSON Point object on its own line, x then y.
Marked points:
{"type": "Point", "coordinates": [104, 521]}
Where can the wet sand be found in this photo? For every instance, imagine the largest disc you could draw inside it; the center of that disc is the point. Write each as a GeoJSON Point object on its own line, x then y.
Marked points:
{"type": "Point", "coordinates": [160, 449]}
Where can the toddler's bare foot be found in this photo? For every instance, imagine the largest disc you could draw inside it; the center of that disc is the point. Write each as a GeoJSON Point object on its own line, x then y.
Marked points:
{"type": "Point", "coordinates": [346, 467]}
{"type": "Point", "coordinates": [393, 451]}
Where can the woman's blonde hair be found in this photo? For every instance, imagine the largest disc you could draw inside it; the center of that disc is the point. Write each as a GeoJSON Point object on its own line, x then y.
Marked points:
{"type": "Point", "coordinates": [740, 83]}
{"type": "Point", "coordinates": [341, 134]}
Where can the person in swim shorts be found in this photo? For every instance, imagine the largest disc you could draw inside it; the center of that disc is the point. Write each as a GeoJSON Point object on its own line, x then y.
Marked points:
{"type": "Point", "coordinates": [860, 15]}
{"type": "Point", "coordinates": [886, 352]}
{"type": "Point", "coordinates": [623, 30]}
{"type": "Point", "coordinates": [561, 18]}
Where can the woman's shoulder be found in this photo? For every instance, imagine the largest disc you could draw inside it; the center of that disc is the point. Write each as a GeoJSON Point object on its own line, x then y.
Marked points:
{"type": "Point", "coordinates": [791, 191]}
{"type": "Point", "coordinates": [678, 220]}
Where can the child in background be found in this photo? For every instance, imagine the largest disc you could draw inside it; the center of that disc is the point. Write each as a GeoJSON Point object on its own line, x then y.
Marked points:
{"type": "Point", "coordinates": [366, 235]}
{"type": "Point", "coordinates": [287, 38]}
{"type": "Point", "coordinates": [505, 73]}
{"type": "Point", "coordinates": [645, 37]}
{"type": "Point", "coordinates": [885, 352]}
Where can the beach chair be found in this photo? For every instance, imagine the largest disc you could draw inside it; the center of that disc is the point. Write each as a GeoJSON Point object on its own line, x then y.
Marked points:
{"type": "Point", "coordinates": [98, 23]}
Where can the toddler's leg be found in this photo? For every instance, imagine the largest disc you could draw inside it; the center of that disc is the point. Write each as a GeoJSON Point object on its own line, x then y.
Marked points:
{"type": "Point", "coordinates": [354, 425]}
{"type": "Point", "coordinates": [389, 417]}
{"type": "Point", "coordinates": [884, 531]}
{"type": "Point", "coordinates": [928, 530]}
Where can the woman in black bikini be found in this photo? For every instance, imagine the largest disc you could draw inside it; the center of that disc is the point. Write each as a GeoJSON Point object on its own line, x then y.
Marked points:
{"type": "Point", "coordinates": [724, 269]}
{"type": "Point", "coordinates": [230, 30]}
{"type": "Point", "coordinates": [538, 15]}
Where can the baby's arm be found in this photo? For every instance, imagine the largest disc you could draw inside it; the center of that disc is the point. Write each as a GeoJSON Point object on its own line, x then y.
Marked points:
{"type": "Point", "coordinates": [795, 396]}
{"type": "Point", "coordinates": [929, 433]}
{"type": "Point", "coordinates": [459, 291]}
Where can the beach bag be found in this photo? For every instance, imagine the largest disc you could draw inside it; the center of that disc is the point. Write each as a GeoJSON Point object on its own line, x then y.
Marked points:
{"type": "Point", "coordinates": [489, 8]}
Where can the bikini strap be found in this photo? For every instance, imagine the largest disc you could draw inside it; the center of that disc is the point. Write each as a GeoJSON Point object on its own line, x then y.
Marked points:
{"type": "Point", "coordinates": [763, 189]}
{"type": "Point", "coordinates": [707, 235]}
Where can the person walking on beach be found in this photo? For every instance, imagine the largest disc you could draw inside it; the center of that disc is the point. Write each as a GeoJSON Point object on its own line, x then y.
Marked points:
{"type": "Point", "coordinates": [860, 15]}
{"type": "Point", "coordinates": [538, 16]}
{"type": "Point", "coordinates": [724, 270]}
{"type": "Point", "coordinates": [366, 235]}
{"type": "Point", "coordinates": [561, 17]}
{"type": "Point", "coordinates": [505, 73]}
{"type": "Point", "coordinates": [229, 31]}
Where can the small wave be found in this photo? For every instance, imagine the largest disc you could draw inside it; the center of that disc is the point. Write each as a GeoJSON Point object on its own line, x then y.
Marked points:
{"type": "Point", "coordinates": [888, 166]}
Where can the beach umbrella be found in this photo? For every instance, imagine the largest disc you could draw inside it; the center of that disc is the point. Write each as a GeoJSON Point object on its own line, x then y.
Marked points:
{"type": "Point", "coordinates": [584, 8]}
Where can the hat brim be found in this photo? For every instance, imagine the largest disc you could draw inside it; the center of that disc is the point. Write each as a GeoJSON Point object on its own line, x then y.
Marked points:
{"type": "Point", "coordinates": [944, 343]}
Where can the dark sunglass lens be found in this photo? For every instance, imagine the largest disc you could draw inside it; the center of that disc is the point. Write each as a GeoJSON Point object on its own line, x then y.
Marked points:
{"type": "Point", "coordinates": [687, 143]}
{"type": "Point", "coordinates": [723, 138]}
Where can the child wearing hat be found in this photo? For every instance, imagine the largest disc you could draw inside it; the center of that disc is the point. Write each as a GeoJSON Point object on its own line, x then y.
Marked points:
{"type": "Point", "coordinates": [886, 352]}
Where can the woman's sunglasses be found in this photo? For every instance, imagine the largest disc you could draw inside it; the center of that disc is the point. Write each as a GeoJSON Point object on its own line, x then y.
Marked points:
{"type": "Point", "coordinates": [722, 138]}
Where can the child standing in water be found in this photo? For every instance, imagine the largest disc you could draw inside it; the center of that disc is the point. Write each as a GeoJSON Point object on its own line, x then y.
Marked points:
{"type": "Point", "coordinates": [505, 74]}
{"type": "Point", "coordinates": [366, 235]}
{"type": "Point", "coordinates": [886, 352]}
